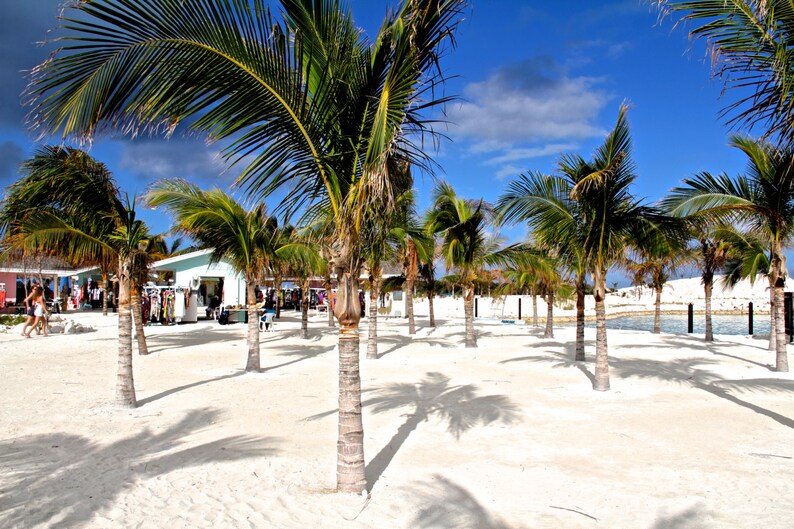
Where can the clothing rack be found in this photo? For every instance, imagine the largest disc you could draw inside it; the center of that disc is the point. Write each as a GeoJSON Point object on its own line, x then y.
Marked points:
{"type": "Point", "coordinates": [164, 305]}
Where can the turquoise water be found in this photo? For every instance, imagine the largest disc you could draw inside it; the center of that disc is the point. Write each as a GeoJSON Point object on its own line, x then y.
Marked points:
{"type": "Point", "coordinates": [677, 323]}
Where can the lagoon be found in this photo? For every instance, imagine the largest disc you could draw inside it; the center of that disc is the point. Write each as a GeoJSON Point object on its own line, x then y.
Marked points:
{"type": "Point", "coordinates": [735, 324]}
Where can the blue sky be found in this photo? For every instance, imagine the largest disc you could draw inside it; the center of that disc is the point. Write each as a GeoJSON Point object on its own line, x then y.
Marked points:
{"type": "Point", "coordinates": [535, 79]}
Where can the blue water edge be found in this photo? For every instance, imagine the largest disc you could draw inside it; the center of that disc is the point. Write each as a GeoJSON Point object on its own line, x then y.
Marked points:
{"type": "Point", "coordinates": [677, 323]}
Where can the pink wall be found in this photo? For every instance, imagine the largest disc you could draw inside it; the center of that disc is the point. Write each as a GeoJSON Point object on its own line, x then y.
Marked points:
{"type": "Point", "coordinates": [10, 279]}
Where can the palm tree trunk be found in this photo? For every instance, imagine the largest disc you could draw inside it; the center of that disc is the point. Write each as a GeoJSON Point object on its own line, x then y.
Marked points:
{"type": "Point", "coordinates": [328, 297]}
{"type": "Point", "coordinates": [305, 308]}
{"type": "Point", "coordinates": [580, 300]}
{"type": "Point", "coordinates": [372, 336]}
{"type": "Point", "coordinates": [601, 382]}
{"type": "Point", "coordinates": [253, 362]}
{"type": "Point", "coordinates": [772, 319]}
{"type": "Point", "coordinates": [549, 330]}
{"type": "Point", "coordinates": [430, 295]}
{"type": "Point", "coordinates": [409, 305]}
{"type": "Point", "coordinates": [105, 284]}
{"type": "Point", "coordinates": [468, 311]}
{"type": "Point", "coordinates": [708, 286]}
{"type": "Point", "coordinates": [137, 318]}
{"type": "Point", "coordinates": [534, 309]}
{"type": "Point", "coordinates": [657, 311]}
{"type": "Point", "coordinates": [125, 384]}
{"type": "Point", "coordinates": [350, 470]}
{"type": "Point", "coordinates": [277, 285]}
{"type": "Point", "coordinates": [781, 357]}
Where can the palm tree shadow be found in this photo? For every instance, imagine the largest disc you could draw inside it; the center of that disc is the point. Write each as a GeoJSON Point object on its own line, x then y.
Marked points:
{"type": "Point", "coordinates": [688, 371]}
{"type": "Point", "coordinates": [163, 394]}
{"type": "Point", "coordinates": [59, 479]}
{"type": "Point", "coordinates": [399, 342]}
{"type": "Point", "coordinates": [169, 342]}
{"type": "Point", "coordinates": [559, 359]}
{"type": "Point", "coordinates": [305, 352]}
{"type": "Point", "coordinates": [459, 405]}
{"type": "Point", "coordinates": [680, 342]}
{"type": "Point", "coordinates": [446, 505]}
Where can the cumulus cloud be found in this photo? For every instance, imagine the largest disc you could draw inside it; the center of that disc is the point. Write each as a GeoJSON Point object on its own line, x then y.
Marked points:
{"type": "Point", "coordinates": [512, 155]}
{"type": "Point", "coordinates": [191, 159]}
{"type": "Point", "coordinates": [535, 101]}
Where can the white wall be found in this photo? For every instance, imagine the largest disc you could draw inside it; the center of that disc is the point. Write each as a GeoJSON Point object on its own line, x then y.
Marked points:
{"type": "Point", "coordinates": [233, 283]}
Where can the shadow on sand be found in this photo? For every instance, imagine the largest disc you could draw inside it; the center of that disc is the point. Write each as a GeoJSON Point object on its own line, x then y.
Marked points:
{"type": "Point", "coordinates": [683, 371]}
{"type": "Point", "coordinates": [61, 480]}
{"type": "Point", "coordinates": [458, 405]}
{"type": "Point", "coordinates": [443, 504]}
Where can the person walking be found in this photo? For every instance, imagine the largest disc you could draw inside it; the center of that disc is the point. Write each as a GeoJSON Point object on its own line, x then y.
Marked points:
{"type": "Point", "coordinates": [39, 306]}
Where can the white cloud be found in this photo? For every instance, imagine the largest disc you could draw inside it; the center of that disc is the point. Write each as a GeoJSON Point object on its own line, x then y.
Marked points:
{"type": "Point", "coordinates": [190, 159]}
{"type": "Point", "coordinates": [512, 155]}
{"type": "Point", "coordinates": [531, 102]}
{"type": "Point", "coordinates": [508, 171]}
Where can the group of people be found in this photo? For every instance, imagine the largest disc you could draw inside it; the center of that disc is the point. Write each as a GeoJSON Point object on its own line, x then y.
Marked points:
{"type": "Point", "coordinates": [37, 312]}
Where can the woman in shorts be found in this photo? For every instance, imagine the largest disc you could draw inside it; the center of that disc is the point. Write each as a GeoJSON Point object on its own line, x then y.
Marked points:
{"type": "Point", "coordinates": [39, 310]}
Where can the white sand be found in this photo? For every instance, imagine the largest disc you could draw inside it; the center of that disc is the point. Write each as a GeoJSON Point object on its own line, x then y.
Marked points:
{"type": "Point", "coordinates": [506, 436]}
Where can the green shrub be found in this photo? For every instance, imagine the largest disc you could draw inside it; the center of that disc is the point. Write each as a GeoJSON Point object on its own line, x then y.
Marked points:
{"type": "Point", "coordinates": [11, 320]}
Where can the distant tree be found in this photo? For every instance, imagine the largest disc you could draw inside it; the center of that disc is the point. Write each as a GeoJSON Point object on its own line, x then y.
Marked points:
{"type": "Point", "coordinates": [68, 203]}
{"type": "Point", "coordinates": [248, 239]}
{"type": "Point", "coordinates": [613, 220]}
{"type": "Point", "coordinates": [761, 202]}
{"type": "Point", "coordinates": [465, 245]}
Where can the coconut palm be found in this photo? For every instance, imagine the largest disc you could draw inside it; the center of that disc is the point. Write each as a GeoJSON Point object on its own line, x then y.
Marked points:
{"type": "Point", "coordinates": [303, 261]}
{"type": "Point", "coordinates": [761, 202]}
{"type": "Point", "coordinates": [556, 221]}
{"type": "Point", "coordinates": [427, 277]}
{"type": "Point", "coordinates": [68, 203]}
{"type": "Point", "coordinates": [613, 219]}
{"type": "Point", "coordinates": [749, 258]}
{"type": "Point", "coordinates": [47, 230]}
{"type": "Point", "coordinates": [465, 246]}
{"type": "Point", "coordinates": [713, 250]}
{"type": "Point", "coordinates": [413, 248]}
{"type": "Point", "coordinates": [309, 103]}
{"type": "Point", "coordinates": [656, 265]}
{"type": "Point", "coordinates": [247, 239]}
{"type": "Point", "coordinates": [69, 182]}
{"type": "Point", "coordinates": [750, 45]}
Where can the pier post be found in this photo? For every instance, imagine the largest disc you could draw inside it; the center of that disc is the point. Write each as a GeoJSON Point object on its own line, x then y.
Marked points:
{"type": "Point", "coordinates": [475, 307]}
{"type": "Point", "coordinates": [519, 309]}
{"type": "Point", "coordinates": [690, 325]}
{"type": "Point", "coordinates": [750, 318]}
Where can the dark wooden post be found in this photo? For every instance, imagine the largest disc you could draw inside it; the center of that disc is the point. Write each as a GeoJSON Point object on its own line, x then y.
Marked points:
{"type": "Point", "coordinates": [750, 318]}
{"type": "Point", "coordinates": [691, 320]}
{"type": "Point", "coordinates": [475, 307]}
{"type": "Point", "coordinates": [519, 308]}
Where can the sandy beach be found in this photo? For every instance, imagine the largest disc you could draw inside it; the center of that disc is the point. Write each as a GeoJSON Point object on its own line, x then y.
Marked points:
{"type": "Point", "coordinates": [508, 436]}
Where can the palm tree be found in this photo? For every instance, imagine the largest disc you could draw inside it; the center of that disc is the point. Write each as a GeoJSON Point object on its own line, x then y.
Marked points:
{"type": "Point", "coordinates": [556, 221]}
{"type": "Point", "coordinates": [303, 261]}
{"type": "Point", "coordinates": [465, 247]}
{"type": "Point", "coordinates": [246, 239]}
{"type": "Point", "coordinates": [657, 264]}
{"type": "Point", "coordinates": [68, 203]}
{"type": "Point", "coordinates": [713, 251]}
{"type": "Point", "coordinates": [612, 220]}
{"type": "Point", "coordinates": [413, 249]}
{"type": "Point", "coordinates": [427, 276]}
{"type": "Point", "coordinates": [750, 45]}
{"type": "Point", "coordinates": [309, 103]}
{"type": "Point", "coordinates": [749, 258]}
{"type": "Point", "coordinates": [762, 202]}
